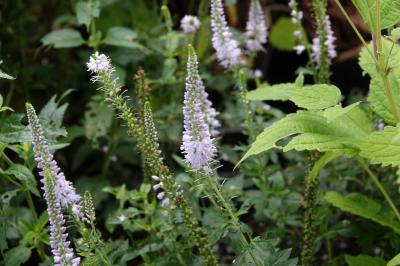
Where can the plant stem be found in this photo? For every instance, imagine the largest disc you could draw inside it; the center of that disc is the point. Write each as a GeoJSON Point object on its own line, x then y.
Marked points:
{"type": "Point", "coordinates": [30, 204]}
{"type": "Point", "coordinates": [382, 65]}
{"type": "Point", "coordinates": [380, 187]}
{"type": "Point", "coordinates": [310, 198]}
{"type": "Point", "coordinates": [354, 28]}
{"type": "Point", "coordinates": [231, 212]}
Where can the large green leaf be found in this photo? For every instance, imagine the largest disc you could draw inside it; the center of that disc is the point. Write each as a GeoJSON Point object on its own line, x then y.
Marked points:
{"type": "Point", "coordinates": [124, 37]}
{"type": "Point", "coordinates": [85, 11]}
{"type": "Point", "coordinates": [360, 205]}
{"type": "Point", "coordinates": [316, 133]}
{"type": "Point", "coordinates": [314, 97]}
{"type": "Point", "coordinates": [282, 36]}
{"type": "Point", "coordinates": [279, 92]}
{"type": "Point", "coordinates": [64, 38]}
{"type": "Point", "coordinates": [364, 260]}
{"type": "Point", "coordinates": [12, 130]}
{"type": "Point", "coordinates": [382, 147]}
{"type": "Point", "coordinates": [16, 256]}
{"type": "Point", "coordinates": [390, 12]}
{"type": "Point", "coordinates": [25, 176]}
{"type": "Point", "coordinates": [377, 97]}
{"type": "Point", "coordinates": [394, 261]}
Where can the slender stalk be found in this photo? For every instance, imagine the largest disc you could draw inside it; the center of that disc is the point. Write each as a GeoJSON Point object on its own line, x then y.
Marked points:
{"type": "Point", "coordinates": [354, 28]}
{"type": "Point", "coordinates": [380, 187]}
{"type": "Point", "coordinates": [30, 204]}
{"type": "Point", "coordinates": [381, 61]}
{"type": "Point", "coordinates": [310, 199]}
{"type": "Point", "coordinates": [235, 220]}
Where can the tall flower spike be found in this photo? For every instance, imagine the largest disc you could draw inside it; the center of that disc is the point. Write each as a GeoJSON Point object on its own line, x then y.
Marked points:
{"type": "Point", "coordinates": [190, 24]}
{"type": "Point", "coordinates": [228, 51]}
{"type": "Point", "coordinates": [197, 144]}
{"type": "Point", "coordinates": [256, 29]}
{"type": "Point", "coordinates": [297, 16]}
{"type": "Point", "coordinates": [329, 43]}
{"type": "Point", "coordinates": [63, 254]}
{"type": "Point", "coordinates": [64, 190]}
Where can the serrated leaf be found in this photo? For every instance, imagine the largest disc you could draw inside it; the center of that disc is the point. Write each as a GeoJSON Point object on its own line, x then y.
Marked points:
{"type": "Point", "coordinates": [360, 205]}
{"type": "Point", "coordinates": [364, 260]}
{"type": "Point", "coordinates": [316, 97]}
{"type": "Point", "coordinates": [85, 11]}
{"type": "Point", "coordinates": [377, 97]}
{"type": "Point", "coordinates": [394, 261]}
{"type": "Point", "coordinates": [97, 119]}
{"type": "Point", "coordinates": [25, 176]}
{"type": "Point", "coordinates": [5, 75]}
{"type": "Point", "coordinates": [279, 92]}
{"type": "Point", "coordinates": [337, 111]}
{"type": "Point", "coordinates": [390, 12]}
{"type": "Point", "coordinates": [340, 134]}
{"type": "Point", "coordinates": [282, 36]}
{"type": "Point", "coordinates": [382, 147]}
{"type": "Point", "coordinates": [124, 37]}
{"type": "Point", "coordinates": [12, 130]}
{"type": "Point", "coordinates": [64, 38]}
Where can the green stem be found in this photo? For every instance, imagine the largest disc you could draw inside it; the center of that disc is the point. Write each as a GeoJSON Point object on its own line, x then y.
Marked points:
{"type": "Point", "coordinates": [381, 61]}
{"type": "Point", "coordinates": [310, 198]}
{"type": "Point", "coordinates": [380, 187]}
{"type": "Point", "coordinates": [355, 29]}
{"type": "Point", "coordinates": [235, 220]}
{"type": "Point", "coordinates": [30, 204]}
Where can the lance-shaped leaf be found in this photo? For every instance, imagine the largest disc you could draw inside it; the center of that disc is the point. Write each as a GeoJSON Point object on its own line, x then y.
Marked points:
{"type": "Point", "coordinates": [390, 12]}
{"type": "Point", "coordinates": [360, 205]}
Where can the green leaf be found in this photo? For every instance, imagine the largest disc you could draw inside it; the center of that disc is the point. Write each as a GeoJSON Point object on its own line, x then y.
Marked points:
{"type": "Point", "coordinates": [316, 133]}
{"type": "Point", "coordinates": [394, 261]}
{"type": "Point", "coordinates": [279, 92]}
{"type": "Point", "coordinates": [65, 38]}
{"type": "Point", "coordinates": [12, 130]}
{"type": "Point", "coordinates": [337, 111]}
{"type": "Point", "coordinates": [86, 11]}
{"type": "Point", "coordinates": [97, 119]}
{"type": "Point", "coordinates": [360, 205]}
{"type": "Point", "coordinates": [364, 260]}
{"type": "Point", "coordinates": [390, 12]}
{"type": "Point", "coordinates": [5, 75]}
{"type": "Point", "coordinates": [16, 256]}
{"type": "Point", "coordinates": [377, 97]}
{"type": "Point", "coordinates": [25, 176]}
{"type": "Point", "coordinates": [316, 97]}
{"type": "Point", "coordinates": [383, 147]}
{"type": "Point", "coordinates": [282, 36]}
{"type": "Point", "coordinates": [124, 37]}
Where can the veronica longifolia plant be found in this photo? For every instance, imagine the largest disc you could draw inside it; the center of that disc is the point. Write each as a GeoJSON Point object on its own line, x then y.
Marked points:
{"type": "Point", "coordinates": [58, 193]}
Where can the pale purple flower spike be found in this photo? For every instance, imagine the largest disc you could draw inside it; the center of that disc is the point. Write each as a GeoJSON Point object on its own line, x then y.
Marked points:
{"type": "Point", "coordinates": [99, 63]}
{"type": "Point", "coordinates": [190, 24]}
{"type": "Point", "coordinates": [228, 51]}
{"type": "Point", "coordinates": [197, 146]}
{"type": "Point", "coordinates": [256, 29]}
{"type": "Point", "coordinates": [330, 43]}
{"type": "Point", "coordinates": [65, 192]}
{"type": "Point", "coordinates": [58, 193]}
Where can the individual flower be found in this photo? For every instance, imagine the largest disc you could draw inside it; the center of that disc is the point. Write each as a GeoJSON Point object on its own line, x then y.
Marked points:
{"type": "Point", "coordinates": [197, 145]}
{"type": "Point", "coordinates": [63, 254]}
{"type": "Point", "coordinates": [99, 63]}
{"type": "Point", "coordinates": [64, 190]}
{"type": "Point", "coordinates": [190, 24]}
{"type": "Point", "coordinates": [329, 43]}
{"type": "Point", "coordinates": [227, 48]}
{"type": "Point", "coordinates": [256, 29]}
{"type": "Point", "coordinates": [258, 74]}
{"type": "Point", "coordinates": [299, 49]}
